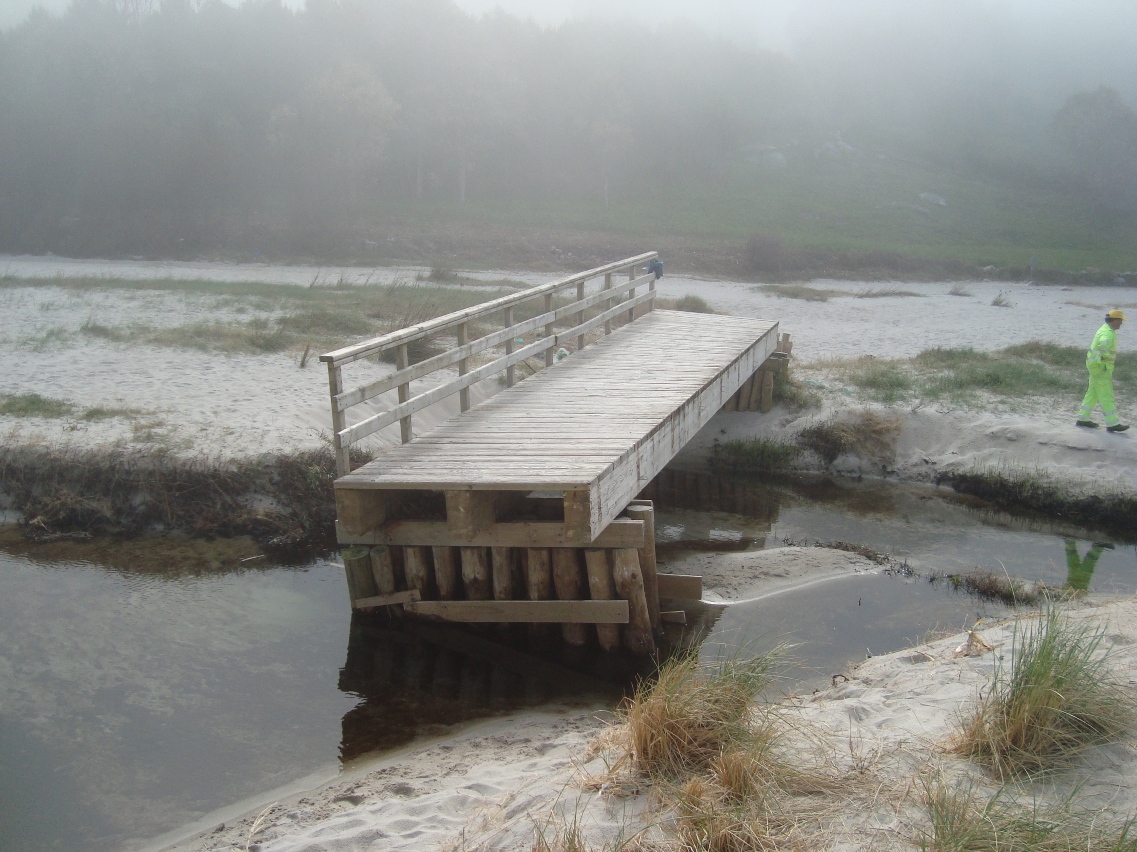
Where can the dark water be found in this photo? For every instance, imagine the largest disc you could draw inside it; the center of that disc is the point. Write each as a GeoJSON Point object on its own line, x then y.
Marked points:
{"type": "Point", "coordinates": [145, 685]}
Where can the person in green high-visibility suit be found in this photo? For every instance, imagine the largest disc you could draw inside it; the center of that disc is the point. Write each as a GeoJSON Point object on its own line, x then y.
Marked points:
{"type": "Point", "coordinates": [1099, 361]}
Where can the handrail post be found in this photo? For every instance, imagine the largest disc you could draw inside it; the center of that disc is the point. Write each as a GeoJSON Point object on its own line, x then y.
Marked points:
{"type": "Point", "coordinates": [509, 371]}
{"type": "Point", "coordinates": [402, 361]}
{"type": "Point", "coordinates": [579, 320]}
{"type": "Point", "coordinates": [632, 294]}
{"type": "Point", "coordinates": [339, 418]}
{"type": "Point", "coordinates": [463, 365]}
{"type": "Point", "coordinates": [607, 302]}
{"type": "Point", "coordinates": [549, 353]}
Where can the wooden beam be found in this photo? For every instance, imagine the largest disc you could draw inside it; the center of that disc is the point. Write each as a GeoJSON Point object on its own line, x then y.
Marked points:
{"type": "Point", "coordinates": [673, 616]}
{"type": "Point", "coordinates": [688, 586]}
{"type": "Point", "coordinates": [409, 596]}
{"type": "Point", "coordinates": [638, 638]}
{"type": "Point", "coordinates": [534, 612]}
{"type": "Point", "coordinates": [469, 512]}
{"type": "Point", "coordinates": [578, 517]}
{"type": "Point", "coordinates": [620, 533]}
{"type": "Point", "coordinates": [360, 510]}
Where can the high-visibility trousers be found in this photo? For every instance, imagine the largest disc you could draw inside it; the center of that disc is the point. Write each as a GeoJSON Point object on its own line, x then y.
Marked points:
{"type": "Point", "coordinates": [1100, 393]}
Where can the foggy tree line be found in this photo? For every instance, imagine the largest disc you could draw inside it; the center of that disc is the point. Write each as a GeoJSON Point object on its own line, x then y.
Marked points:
{"type": "Point", "coordinates": [137, 126]}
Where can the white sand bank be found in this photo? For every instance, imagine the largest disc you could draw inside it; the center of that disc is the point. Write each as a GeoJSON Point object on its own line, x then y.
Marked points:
{"type": "Point", "coordinates": [492, 785]}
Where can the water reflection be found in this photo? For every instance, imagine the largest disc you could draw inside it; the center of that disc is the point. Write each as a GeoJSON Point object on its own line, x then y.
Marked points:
{"type": "Point", "coordinates": [1080, 570]}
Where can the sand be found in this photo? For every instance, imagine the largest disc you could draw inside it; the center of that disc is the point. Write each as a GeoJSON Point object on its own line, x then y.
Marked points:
{"type": "Point", "coordinates": [495, 784]}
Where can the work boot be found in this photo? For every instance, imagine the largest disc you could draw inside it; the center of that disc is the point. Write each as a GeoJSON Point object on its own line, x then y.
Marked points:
{"type": "Point", "coordinates": [1088, 424]}
{"type": "Point", "coordinates": [1120, 427]}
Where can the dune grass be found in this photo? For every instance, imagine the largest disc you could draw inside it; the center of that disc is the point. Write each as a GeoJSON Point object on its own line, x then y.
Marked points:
{"type": "Point", "coordinates": [34, 405]}
{"type": "Point", "coordinates": [965, 375]}
{"type": "Point", "coordinates": [1059, 698]}
{"type": "Point", "coordinates": [754, 455]}
{"type": "Point", "coordinates": [991, 586]}
{"type": "Point", "coordinates": [692, 304]}
{"type": "Point", "coordinates": [868, 435]}
{"type": "Point", "coordinates": [963, 821]}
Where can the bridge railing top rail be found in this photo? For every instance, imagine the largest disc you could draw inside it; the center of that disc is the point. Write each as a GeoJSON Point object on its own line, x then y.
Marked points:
{"type": "Point", "coordinates": [506, 346]}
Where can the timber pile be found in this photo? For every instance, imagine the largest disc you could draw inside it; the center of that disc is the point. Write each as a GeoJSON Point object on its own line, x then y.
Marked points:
{"type": "Point", "coordinates": [757, 392]}
{"type": "Point", "coordinates": [607, 594]}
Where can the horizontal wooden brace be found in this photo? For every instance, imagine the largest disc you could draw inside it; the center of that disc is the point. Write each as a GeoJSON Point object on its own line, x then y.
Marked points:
{"type": "Point", "coordinates": [538, 612]}
{"type": "Point", "coordinates": [688, 586]}
{"type": "Point", "coordinates": [407, 597]}
{"type": "Point", "coordinates": [620, 533]}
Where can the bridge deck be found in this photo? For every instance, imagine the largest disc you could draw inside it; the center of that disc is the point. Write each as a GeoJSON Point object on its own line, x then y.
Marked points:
{"type": "Point", "coordinates": [594, 429]}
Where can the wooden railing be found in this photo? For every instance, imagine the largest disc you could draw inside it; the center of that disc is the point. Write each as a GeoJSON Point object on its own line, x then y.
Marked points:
{"type": "Point", "coordinates": [609, 302]}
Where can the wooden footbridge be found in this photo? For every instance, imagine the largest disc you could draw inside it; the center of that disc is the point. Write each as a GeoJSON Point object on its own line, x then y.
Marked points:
{"type": "Point", "coordinates": [523, 508]}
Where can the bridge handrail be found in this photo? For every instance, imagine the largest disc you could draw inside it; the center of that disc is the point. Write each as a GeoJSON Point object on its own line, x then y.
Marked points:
{"type": "Point", "coordinates": [343, 436]}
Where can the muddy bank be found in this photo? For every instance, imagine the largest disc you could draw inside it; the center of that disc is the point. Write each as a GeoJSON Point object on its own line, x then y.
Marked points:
{"type": "Point", "coordinates": [284, 502]}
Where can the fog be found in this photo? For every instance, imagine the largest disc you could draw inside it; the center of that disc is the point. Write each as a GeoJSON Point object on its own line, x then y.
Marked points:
{"type": "Point", "coordinates": [139, 126]}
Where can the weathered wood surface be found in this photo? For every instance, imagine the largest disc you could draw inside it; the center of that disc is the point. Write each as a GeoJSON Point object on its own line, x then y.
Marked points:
{"type": "Point", "coordinates": [621, 532]}
{"type": "Point", "coordinates": [409, 596]}
{"type": "Point", "coordinates": [535, 612]}
{"type": "Point", "coordinates": [598, 426]}
{"type": "Point", "coordinates": [689, 586]}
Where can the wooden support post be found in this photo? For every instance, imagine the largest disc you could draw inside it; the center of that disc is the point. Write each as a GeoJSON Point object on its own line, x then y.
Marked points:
{"type": "Point", "coordinates": [402, 361]}
{"type": "Point", "coordinates": [579, 320]}
{"type": "Point", "coordinates": [357, 568]}
{"type": "Point", "coordinates": [744, 394]}
{"type": "Point", "coordinates": [629, 584]}
{"type": "Point", "coordinates": [732, 402]}
{"type": "Point", "coordinates": [570, 587]}
{"type": "Point", "coordinates": [463, 336]}
{"type": "Point", "coordinates": [767, 399]}
{"type": "Point", "coordinates": [502, 562]}
{"type": "Point", "coordinates": [416, 564]}
{"type": "Point", "coordinates": [360, 510]}
{"type": "Point", "coordinates": [383, 569]}
{"type": "Point", "coordinates": [640, 512]}
{"type": "Point", "coordinates": [755, 392]}
{"type": "Point", "coordinates": [339, 421]}
{"type": "Point", "coordinates": [469, 512]}
{"type": "Point", "coordinates": [551, 351]}
{"type": "Point", "coordinates": [631, 293]}
{"type": "Point", "coordinates": [510, 375]}
{"type": "Point", "coordinates": [476, 573]}
{"type": "Point", "coordinates": [601, 588]}
{"type": "Point", "coordinates": [538, 575]}
{"type": "Point", "coordinates": [607, 302]}
{"type": "Point", "coordinates": [445, 573]}
{"type": "Point", "coordinates": [578, 517]}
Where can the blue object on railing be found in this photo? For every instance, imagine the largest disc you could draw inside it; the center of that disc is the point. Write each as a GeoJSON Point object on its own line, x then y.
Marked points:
{"type": "Point", "coordinates": [656, 266]}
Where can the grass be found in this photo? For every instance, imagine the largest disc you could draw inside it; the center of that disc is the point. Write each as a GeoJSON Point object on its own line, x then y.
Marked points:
{"type": "Point", "coordinates": [963, 821]}
{"type": "Point", "coordinates": [962, 374]}
{"type": "Point", "coordinates": [1001, 301]}
{"type": "Point", "coordinates": [792, 394]}
{"type": "Point", "coordinates": [692, 304]}
{"type": "Point", "coordinates": [959, 290]}
{"type": "Point", "coordinates": [1058, 699]}
{"type": "Point", "coordinates": [990, 586]}
{"type": "Point", "coordinates": [34, 405]}
{"type": "Point", "coordinates": [801, 291]}
{"type": "Point", "coordinates": [690, 715]}
{"type": "Point", "coordinates": [868, 435]}
{"type": "Point", "coordinates": [1017, 490]}
{"type": "Point", "coordinates": [885, 293]}
{"type": "Point", "coordinates": [754, 455]}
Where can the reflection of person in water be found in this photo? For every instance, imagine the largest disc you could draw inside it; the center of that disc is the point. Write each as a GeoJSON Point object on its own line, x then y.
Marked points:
{"type": "Point", "coordinates": [1079, 570]}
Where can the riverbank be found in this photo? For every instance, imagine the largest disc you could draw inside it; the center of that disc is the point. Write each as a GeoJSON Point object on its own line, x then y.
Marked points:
{"type": "Point", "coordinates": [882, 728]}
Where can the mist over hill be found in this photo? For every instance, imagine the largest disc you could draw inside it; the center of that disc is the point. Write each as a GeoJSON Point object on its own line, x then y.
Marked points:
{"type": "Point", "coordinates": [970, 132]}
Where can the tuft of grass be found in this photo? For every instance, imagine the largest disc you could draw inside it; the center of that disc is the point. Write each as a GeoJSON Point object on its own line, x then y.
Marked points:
{"type": "Point", "coordinates": [990, 586]}
{"type": "Point", "coordinates": [869, 435]}
{"type": "Point", "coordinates": [885, 293]}
{"type": "Point", "coordinates": [1001, 301]}
{"type": "Point", "coordinates": [1059, 698]}
{"type": "Point", "coordinates": [887, 381]}
{"type": "Point", "coordinates": [962, 821]}
{"type": "Point", "coordinates": [693, 304]}
{"type": "Point", "coordinates": [801, 291]}
{"type": "Point", "coordinates": [105, 412]}
{"type": "Point", "coordinates": [959, 290]}
{"type": "Point", "coordinates": [90, 328]}
{"type": "Point", "coordinates": [691, 715]}
{"type": "Point", "coordinates": [34, 405]}
{"type": "Point", "coordinates": [754, 455]}
{"type": "Point", "coordinates": [792, 394]}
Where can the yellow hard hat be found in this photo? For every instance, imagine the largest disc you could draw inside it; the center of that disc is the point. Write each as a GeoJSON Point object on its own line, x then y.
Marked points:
{"type": "Point", "coordinates": [1115, 314]}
